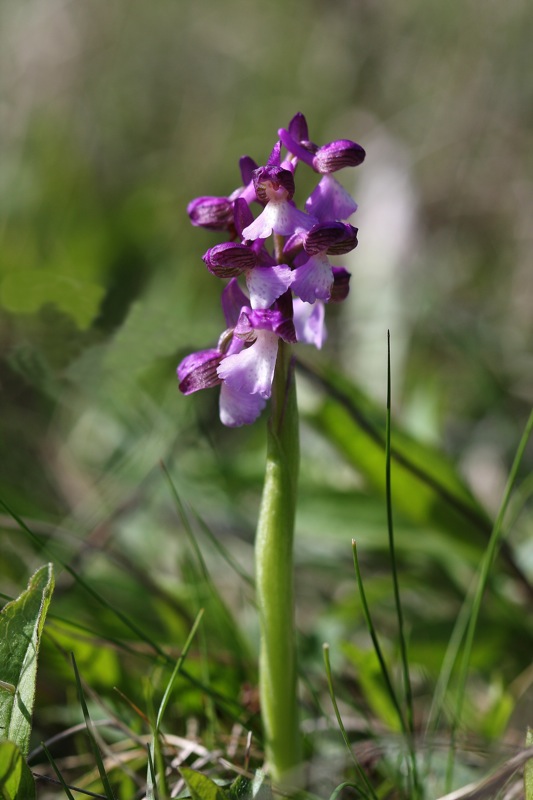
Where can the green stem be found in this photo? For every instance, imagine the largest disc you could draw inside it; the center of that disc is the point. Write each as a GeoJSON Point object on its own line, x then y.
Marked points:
{"type": "Point", "coordinates": [274, 578]}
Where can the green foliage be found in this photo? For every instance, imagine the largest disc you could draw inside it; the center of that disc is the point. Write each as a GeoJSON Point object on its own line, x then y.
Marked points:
{"type": "Point", "coordinates": [202, 787]}
{"type": "Point", "coordinates": [426, 488]}
{"type": "Point", "coordinates": [16, 780]}
{"type": "Point", "coordinates": [21, 627]}
{"type": "Point", "coordinates": [528, 768]}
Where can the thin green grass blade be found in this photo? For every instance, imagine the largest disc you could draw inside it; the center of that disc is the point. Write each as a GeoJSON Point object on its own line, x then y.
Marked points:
{"type": "Point", "coordinates": [226, 617]}
{"type": "Point", "coordinates": [60, 778]}
{"type": "Point", "coordinates": [177, 669]}
{"type": "Point", "coordinates": [142, 635]}
{"type": "Point", "coordinates": [528, 769]}
{"type": "Point", "coordinates": [396, 585]}
{"type": "Point", "coordinates": [427, 490]}
{"type": "Point", "coordinates": [224, 552]}
{"type": "Point", "coordinates": [364, 787]}
{"type": "Point", "coordinates": [485, 568]}
{"type": "Point", "coordinates": [156, 761]}
{"type": "Point", "coordinates": [90, 732]}
{"type": "Point", "coordinates": [375, 642]}
{"type": "Point", "coordinates": [156, 765]}
{"type": "Point", "coordinates": [151, 791]}
{"type": "Point", "coordinates": [21, 627]}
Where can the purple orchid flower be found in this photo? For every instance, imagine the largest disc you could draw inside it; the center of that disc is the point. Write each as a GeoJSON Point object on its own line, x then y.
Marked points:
{"type": "Point", "coordinates": [329, 200]}
{"type": "Point", "coordinates": [243, 362]}
{"type": "Point", "coordinates": [288, 282]}
{"type": "Point", "coordinates": [265, 280]}
{"type": "Point", "coordinates": [315, 277]}
{"type": "Point", "coordinates": [274, 185]}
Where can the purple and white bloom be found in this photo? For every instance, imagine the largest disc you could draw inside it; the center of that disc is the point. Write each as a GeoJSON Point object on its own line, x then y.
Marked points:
{"type": "Point", "coordinates": [315, 277]}
{"type": "Point", "coordinates": [330, 200]}
{"type": "Point", "coordinates": [265, 280]}
{"type": "Point", "coordinates": [275, 186]}
{"type": "Point", "coordinates": [287, 280]}
{"type": "Point", "coordinates": [309, 322]}
{"type": "Point", "coordinates": [328, 158]}
{"type": "Point", "coordinates": [244, 360]}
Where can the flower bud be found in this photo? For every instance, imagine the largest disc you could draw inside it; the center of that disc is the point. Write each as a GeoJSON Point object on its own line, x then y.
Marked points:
{"type": "Point", "coordinates": [214, 213]}
{"type": "Point", "coordinates": [337, 155]}
{"type": "Point", "coordinates": [334, 238]}
{"type": "Point", "coordinates": [228, 260]}
{"type": "Point", "coordinates": [341, 285]}
{"type": "Point", "coordinates": [273, 183]}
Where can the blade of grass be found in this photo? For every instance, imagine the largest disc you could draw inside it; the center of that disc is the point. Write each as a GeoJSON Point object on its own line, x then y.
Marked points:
{"type": "Point", "coordinates": [375, 642]}
{"type": "Point", "coordinates": [92, 740]}
{"type": "Point", "coordinates": [177, 669]}
{"type": "Point", "coordinates": [226, 615]}
{"type": "Point", "coordinates": [427, 489]}
{"type": "Point", "coordinates": [364, 787]}
{"type": "Point", "coordinates": [155, 751]}
{"type": "Point", "coordinates": [396, 585]}
{"type": "Point", "coordinates": [60, 778]}
{"type": "Point", "coordinates": [86, 586]}
{"type": "Point", "coordinates": [486, 566]}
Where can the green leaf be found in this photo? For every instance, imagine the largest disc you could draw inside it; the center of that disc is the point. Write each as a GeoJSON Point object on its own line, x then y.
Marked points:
{"type": "Point", "coordinates": [21, 626]}
{"type": "Point", "coordinates": [528, 768]}
{"type": "Point", "coordinates": [257, 788]}
{"type": "Point", "coordinates": [26, 291]}
{"type": "Point", "coordinates": [426, 487]}
{"type": "Point", "coordinates": [202, 787]}
{"type": "Point", "coordinates": [16, 780]}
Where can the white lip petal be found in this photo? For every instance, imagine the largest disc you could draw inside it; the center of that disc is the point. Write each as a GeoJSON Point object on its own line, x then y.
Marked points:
{"type": "Point", "coordinates": [252, 370]}
{"type": "Point", "coordinates": [278, 217]}
{"type": "Point", "coordinates": [266, 284]}
{"type": "Point", "coordinates": [237, 408]}
{"type": "Point", "coordinates": [314, 279]}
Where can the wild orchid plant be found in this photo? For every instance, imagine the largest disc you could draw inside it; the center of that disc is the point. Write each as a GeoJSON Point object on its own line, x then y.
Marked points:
{"type": "Point", "coordinates": [287, 285]}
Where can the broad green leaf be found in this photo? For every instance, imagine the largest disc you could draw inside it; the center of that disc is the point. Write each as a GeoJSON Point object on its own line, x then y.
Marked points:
{"type": "Point", "coordinates": [16, 780]}
{"type": "Point", "coordinates": [202, 787]}
{"type": "Point", "coordinates": [21, 626]}
{"type": "Point", "coordinates": [426, 487]}
{"type": "Point", "coordinates": [528, 768]}
{"type": "Point", "coordinates": [28, 290]}
{"type": "Point", "coordinates": [257, 788]}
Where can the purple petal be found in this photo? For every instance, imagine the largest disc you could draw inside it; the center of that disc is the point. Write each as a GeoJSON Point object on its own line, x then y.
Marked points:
{"type": "Point", "coordinates": [229, 259]}
{"type": "Point", "coordinates": [252, 370]}
{"type": "Point", "coordinates": [278, 217]}
{"type": "Point", "coordinates": [273, 183]}
{"type": "Point", "coordinates": [247, 166]}
{"type": "Point", "coordinates": [294, 147]}
{"type": "Point", "coordinates": [309, 322]}
{"type": "Point", "coordinates": [242, 215]}
{"type": "Point", "coordinates": [341, 285]}
{"type": "Point", "coordinates": [214, 213]}
{"type": "Point", "coordinates": [233, 300]}
{"type": "Point", "coordinates": [266, 284]}
{"type": "Point", "coordinates": [276, 320]}
{"type": "Point", "coordinates": [334, 238]}
{"type": "Point", "coordinates": [199, 371]}
{"type": "Point", "coordinates": [237, 408]}
{"type": "Point", "coordinates": [275, 156]}
{"type": "Point", "coordinates": [337, 155]}
{"type": "Point", "coordinates": [314, 279]}
{"type": "Point", "coordinates": [330, 201]}
{"type": "Point", "coordinates": [298, 128]}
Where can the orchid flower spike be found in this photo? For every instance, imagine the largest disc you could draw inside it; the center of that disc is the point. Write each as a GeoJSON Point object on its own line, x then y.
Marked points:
{"type": "Point", "coordinates": [282, 259]}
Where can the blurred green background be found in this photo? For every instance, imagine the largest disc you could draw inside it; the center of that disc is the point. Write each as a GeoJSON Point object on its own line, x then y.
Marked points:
{"type": "Point", "coordinates": [113, 115]}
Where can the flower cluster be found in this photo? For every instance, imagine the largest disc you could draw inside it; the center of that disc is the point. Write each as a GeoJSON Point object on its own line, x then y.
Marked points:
{"type": "Point", "coordinates": [287, 283]}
